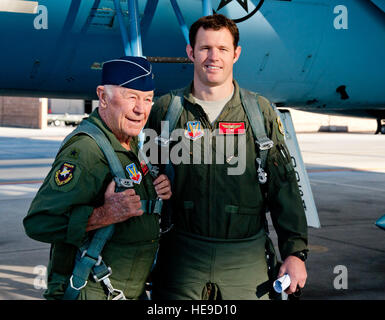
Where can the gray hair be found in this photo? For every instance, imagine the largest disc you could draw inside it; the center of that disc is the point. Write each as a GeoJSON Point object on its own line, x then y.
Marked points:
{"type": "Point", "coordinates": [109, 90]}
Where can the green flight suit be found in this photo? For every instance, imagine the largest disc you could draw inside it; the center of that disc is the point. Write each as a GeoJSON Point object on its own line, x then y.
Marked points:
{"type": "Point", "coordinates": [60, 211]}
{"type": "Point", "coordinates": [217, 245]}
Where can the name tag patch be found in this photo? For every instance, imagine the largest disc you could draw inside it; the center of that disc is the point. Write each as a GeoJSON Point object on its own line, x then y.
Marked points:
{"type": "Point", "coordinates": [231, 127]}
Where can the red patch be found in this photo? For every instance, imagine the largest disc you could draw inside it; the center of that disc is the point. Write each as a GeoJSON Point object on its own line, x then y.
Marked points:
{"type": "Point", "coordinates": [144, 167]}
{"type": "Point", "coordinates": [231, 127]}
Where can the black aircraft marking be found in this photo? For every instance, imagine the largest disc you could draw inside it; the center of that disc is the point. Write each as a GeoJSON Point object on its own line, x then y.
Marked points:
{"type": "Point", "coordinates": [244, 4]}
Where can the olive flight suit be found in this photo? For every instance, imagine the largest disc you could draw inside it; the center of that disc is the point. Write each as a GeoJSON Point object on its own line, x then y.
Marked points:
{"type": "Point", "coordinates": [216, 249]}
{"type": "Point", "coordinates": [60, 211]}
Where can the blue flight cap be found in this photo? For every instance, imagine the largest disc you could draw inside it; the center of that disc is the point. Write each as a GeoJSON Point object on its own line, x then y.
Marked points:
{"type": "Point", "coordinates": [129, 72]}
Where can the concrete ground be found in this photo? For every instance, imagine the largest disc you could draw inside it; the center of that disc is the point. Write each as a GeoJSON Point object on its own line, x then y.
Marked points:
{"type": "Point", "coordinates": [347, 175]}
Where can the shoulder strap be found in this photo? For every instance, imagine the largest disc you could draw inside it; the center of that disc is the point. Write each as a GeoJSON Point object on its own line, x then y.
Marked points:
{"type": "Point", "coordinates": [98, 136]}
{"type": "Point", "coordinates": [174, 111]}
{"type": "Point", "coordinates": [255, 116]}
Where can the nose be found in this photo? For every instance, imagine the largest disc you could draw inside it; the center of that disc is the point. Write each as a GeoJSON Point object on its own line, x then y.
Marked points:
{"type": "Point", "coordinates": [213, 53]}
{"type": "Point", "coordinates": [139, 106]}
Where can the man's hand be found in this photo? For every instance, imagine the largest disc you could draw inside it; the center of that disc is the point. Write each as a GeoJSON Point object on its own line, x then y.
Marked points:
{"type": "Point", "coordinates": [163, 187]}
{"type": "Point", "coordinates": [117, 207]}
{"type": "Point", "coordinates": [296, 269]}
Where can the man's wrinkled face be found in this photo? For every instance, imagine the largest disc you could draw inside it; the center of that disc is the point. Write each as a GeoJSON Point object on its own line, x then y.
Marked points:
{"type": "Point", "coordinates": [214, 56]}
{"type": "Point", "coordinates": [125, 110]}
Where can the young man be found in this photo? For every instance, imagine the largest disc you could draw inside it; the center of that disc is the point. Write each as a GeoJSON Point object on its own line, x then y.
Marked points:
{"type": "Point", "coordinates": [216, 249]}
{"type": "Point", "coordinates": [78, 195]}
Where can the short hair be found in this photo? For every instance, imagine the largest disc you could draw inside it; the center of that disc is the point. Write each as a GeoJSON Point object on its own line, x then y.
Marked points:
{"type": "Point", "coordinates": [109, 90]}
{"type": "Point", "coordinates": [215, 22]}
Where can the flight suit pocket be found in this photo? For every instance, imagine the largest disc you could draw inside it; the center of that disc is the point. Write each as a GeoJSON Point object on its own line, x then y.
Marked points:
{"type": "Point", "coordinates": [240, 221]}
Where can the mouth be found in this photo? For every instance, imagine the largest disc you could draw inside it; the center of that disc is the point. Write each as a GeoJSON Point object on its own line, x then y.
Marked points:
{"type": "Point", "coordinates": [212, 68]}
{"type": "Point", "coordinates": [134, 121]}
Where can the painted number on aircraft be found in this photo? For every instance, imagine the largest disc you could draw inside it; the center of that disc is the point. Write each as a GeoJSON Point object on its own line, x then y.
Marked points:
{"type": "Point", "coordinates": [41, 20]}
{"type": "Point", "coordinates": [341, 21]}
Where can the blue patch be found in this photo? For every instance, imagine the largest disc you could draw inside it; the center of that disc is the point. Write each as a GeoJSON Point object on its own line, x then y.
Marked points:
{"type": "Point", "coordinates": [134, 173]}
{"type": "Point", "coordinates": [194, 130]}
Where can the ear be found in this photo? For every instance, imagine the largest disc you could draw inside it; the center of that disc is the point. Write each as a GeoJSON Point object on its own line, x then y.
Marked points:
{"type": "Point", "coordinates": [237, 53]}
{"type": "Point", "coordinates": [190, 52]}
{"type": "Point", "coordinates": [100, 91]}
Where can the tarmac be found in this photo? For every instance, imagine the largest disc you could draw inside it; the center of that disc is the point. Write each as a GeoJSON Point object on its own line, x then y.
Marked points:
{"type": "Point", "coordinates": [347, 175]}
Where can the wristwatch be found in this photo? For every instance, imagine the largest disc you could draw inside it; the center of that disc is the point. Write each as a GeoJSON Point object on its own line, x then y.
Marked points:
{"type": "Point", "coordinates": [300, 254]}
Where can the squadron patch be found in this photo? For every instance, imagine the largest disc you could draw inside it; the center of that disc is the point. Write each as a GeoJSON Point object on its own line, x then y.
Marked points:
{"type": "Point", "coordinates": [194, 130]}
{"type": "Point", "coordinates": [231, 127]}
{"type": "Point", "coordinates": [64, 174]}
{"type": "Point", "coordinates": [280, 126]}
{"type": "Point", "coordinates": [134, 173]}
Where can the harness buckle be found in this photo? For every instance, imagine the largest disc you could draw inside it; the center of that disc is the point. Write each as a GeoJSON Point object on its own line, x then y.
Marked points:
{"type": "Point", "coordinates": [123, 183]}
{"type": "Point", "coordinates": [262, 175]}
{"type": "Point", "coordinates": [154, 171]}
{"type": "Point", "coordinates": [114, 293]}
{"type": "Point", "coordinates": [77, 288]}
{"type": "Point", "coordinates": [161, 141]}
{"type": "Point", "coordinates": [265, 145]}
{"type": "Point", "coordinates": [97, 261]}
{"type": "Point", "coordinates": [104, 277]}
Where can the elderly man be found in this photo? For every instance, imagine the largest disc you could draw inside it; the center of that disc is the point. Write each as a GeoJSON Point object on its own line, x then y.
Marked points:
{"type": "Point", "coordinates": [78, 195]}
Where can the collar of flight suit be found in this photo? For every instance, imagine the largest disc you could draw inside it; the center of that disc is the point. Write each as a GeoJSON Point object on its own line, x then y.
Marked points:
{"type": "Point", "coordinates": [235, 100]}
{"type": "Point", "coordinates": [96, 119]}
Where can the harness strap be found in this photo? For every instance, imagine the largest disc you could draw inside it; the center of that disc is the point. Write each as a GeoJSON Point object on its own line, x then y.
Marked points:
{"type": "Point", "coordinates": [254, 114]}
{"type": "Point", "coordinates": [90, 260]}
{"type": "Point", "coordinates": [173, 114]}
{"type": "Point", "coordinates": [95, 133]}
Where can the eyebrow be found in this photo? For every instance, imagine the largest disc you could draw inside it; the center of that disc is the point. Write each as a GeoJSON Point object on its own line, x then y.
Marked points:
{"type": "Point", "coordinates": [125, 92]}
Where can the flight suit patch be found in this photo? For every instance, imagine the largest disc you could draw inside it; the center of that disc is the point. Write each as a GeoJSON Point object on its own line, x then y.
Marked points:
{"type": "Point", "coordinates": [231, 127]}
{"type": "Point", "coordinates": [280, 126]}
{"type": "Point", "coordinates": [194, 130]}
{"type": "Point", "coordinates": [144, 167]}
{"type": "Point", "coordinates": [134, 173]}
{"type": "Point", "coordinates": [64, 174]}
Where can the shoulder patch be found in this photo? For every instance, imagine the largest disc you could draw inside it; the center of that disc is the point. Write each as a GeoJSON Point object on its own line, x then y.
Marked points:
{"type": "Point", "coordinates": [64, 174]}
{"type": "Point", "coordinates": [280, 126]}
